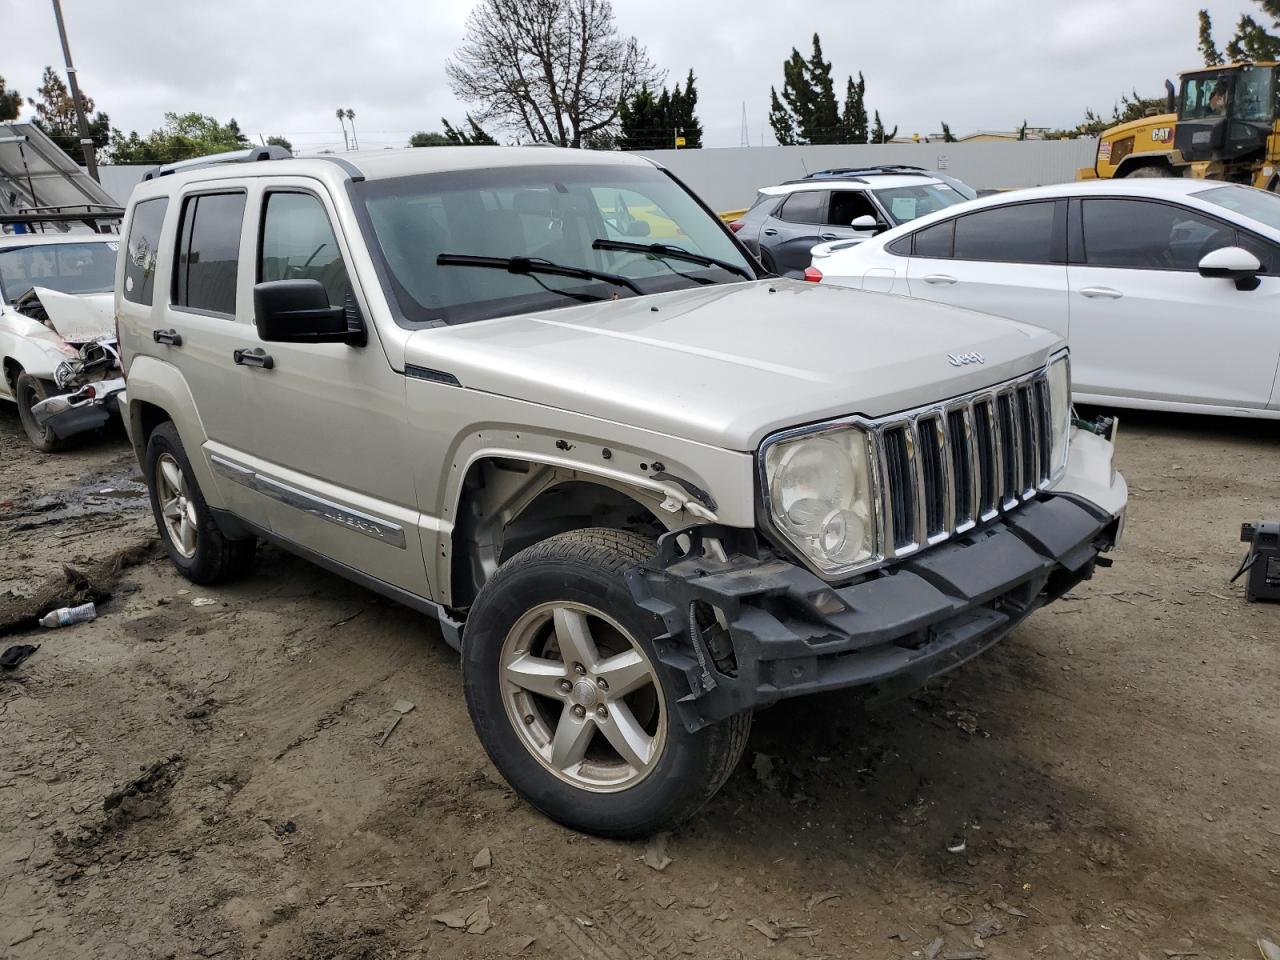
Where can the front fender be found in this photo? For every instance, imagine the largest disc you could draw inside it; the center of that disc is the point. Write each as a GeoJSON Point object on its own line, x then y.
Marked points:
{"type": "Point", "coordinates": [162, 385]}
{"type": "Point", "coordinates": [1091, 473]}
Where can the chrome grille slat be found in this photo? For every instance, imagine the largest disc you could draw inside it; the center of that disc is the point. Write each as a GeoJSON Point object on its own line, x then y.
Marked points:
{"type": "Point", "coordinates": [946, 469]}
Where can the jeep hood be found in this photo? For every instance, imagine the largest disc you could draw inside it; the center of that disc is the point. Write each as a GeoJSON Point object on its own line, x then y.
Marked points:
{"type": "Point", "coordinates": [730, 364]}
{"type": "Point", "coordinates": [78, 318]}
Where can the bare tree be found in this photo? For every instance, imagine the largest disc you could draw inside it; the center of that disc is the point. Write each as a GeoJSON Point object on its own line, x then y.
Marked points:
{"type": "Point", "coordinates": [554, 69]}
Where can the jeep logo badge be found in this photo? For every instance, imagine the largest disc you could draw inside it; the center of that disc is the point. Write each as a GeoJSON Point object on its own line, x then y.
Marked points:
{"type": "Point", "coordinates": [963, 359]}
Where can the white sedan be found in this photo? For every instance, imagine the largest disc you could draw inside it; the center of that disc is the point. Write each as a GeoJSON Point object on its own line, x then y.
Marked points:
{"type": "Point", "coordinates": [1168, 290]}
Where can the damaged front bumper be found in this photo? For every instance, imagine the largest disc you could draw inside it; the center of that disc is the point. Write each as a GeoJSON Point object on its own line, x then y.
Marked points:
{"type": "Point", "coordinates": [746, 628]}
{"type": "Point", "coordinates": [92, 405]}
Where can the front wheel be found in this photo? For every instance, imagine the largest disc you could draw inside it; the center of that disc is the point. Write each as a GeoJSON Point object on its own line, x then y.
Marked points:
{"type": "Point", "coordinates": [28, 391]}
{"type": "Point", "coordinates": [570, 701]}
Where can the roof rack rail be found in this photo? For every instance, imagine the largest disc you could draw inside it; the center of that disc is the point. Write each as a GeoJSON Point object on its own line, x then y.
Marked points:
{"type": "Point", "coordinates": [99, 218]}
{"type": "Point", "coordinates": [251, 155]}
{"type": "Point", "coordinates": [880, 169]}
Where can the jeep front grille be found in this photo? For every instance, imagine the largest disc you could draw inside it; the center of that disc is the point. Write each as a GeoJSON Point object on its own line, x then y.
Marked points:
{"type": "Point", "coordinates": [949, 467]}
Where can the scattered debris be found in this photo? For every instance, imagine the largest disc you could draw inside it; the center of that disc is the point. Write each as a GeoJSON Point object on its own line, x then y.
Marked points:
{"type": "Point", "coordinates": [1009, 909]}
{"type": "Point", "coordinates": [74, 587]}
{"type": "Point", "coordinates": [472, 887]}
{"type": "Point", "coordinates": [762, 766]}
{"type": "Point", "coordinates": [366, 884]}
{"type": "Point", "coordinates": [386, 734]}
{"type": "Point", "coordinates": [283, 829]}
{"type": "Point", "coordinates": [956, 844]}
{"type": "Point", "coordinates": [1268, 949]}
{"type": "Point", "coordinates": [474, 920]}
{"type": "Point", "coordinates": [402, 706]}
{"type": "Point", "coordinates": [934, 948]}
{"type": "Point", "coordinates": [821, 898]}
{"type": "Point", "coordinates": [66, 616]}
{"type": "Point", "coordinates": [518, 945]}
{"type": "Point", "coordinates": [665, 902]}
{"type": "Point", "coordinates": [965, 955]}
{"type": "Point", "coordinates": [204, 602]}
{"type": "Point", "coordinates": [13, 656]}
{"type": "Point", "coordinates": [655, 852]}
{"type": "Point", "coordinates": [483, 860]}
{"type": "Point", "coordinates": [763, 927]}
{"type": "Point", "coordinates": [988, 927]}
{"type": "Point", "coordinates": [957, 916]}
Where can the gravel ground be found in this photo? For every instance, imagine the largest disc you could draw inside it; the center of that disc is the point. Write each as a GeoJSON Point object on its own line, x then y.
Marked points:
{"type": "Point", "coordinates": [197, 773]}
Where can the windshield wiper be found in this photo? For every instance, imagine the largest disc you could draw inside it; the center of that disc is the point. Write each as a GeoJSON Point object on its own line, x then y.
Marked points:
{"type": "Point", "coordinates": [532, 265]}
{"type": "Point", "coordinates": [667, 250]}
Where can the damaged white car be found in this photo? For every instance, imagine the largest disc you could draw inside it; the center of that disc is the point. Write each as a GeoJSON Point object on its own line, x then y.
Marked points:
{"type": "Point", "coordinates": [57, 333]}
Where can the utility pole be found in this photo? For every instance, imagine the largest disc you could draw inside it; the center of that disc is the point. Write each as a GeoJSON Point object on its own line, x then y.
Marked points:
{"type": "Point", "coordinates": [86, 142]}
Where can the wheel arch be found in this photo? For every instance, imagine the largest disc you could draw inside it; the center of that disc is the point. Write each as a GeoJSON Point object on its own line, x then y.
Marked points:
{"type": "Point", "coordinates": [1136, 161]}
{"type": "Point", "coordinates": [156, 393]}
{"type": "Point", "coordinates": [505, 504]}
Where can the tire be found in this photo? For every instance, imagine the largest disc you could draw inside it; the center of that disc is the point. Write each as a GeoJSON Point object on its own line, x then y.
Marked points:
{"type": "Point", "coordinates": [28, 391]}
{"type": "Point", "coordinates": [519, 619]}
{"type": "Point", "coordinates": [1151, 170]}
{"type": "Point", "coordinates": [201, 552]}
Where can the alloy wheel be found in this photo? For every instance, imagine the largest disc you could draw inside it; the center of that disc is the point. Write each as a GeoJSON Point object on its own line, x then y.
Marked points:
{"type": "Point", "coordinates": [177, 508]}
{"type": "Point", "coordinates": [583, 696]}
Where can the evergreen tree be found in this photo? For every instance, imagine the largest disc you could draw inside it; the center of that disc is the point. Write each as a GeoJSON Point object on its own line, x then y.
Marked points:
{"type": "Point", "coordinates": [470, 135]}
{"type": "Point", "coordinates": [789, 116]}
{"type": "Point", "coordinates": [280, 142]}
{"type": "Point", "coordinates": [1208, 49]}
{"type": "Point", "coordinates": [650, 122]}
{"type": "Point", "coordinates": [878, 133]}
{"type": "Point", "coordinates": [10, 102]}
{"type": "Point", "coordinates": [784, 127]}
{"type": "Point", "coordinates": [822, 125]}
{"type": "Point", "coordinates": [1253, 42]}
{"type": "Point", "coordinates": [854, 121]}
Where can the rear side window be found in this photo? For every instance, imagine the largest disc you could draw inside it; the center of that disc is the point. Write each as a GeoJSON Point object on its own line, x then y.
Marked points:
{"type": "Point", "coordinates": [900, 247]}
{"type": "Point", "coordinates": [935, 241]}
{"type": "Point", "coordinates": [804, 206]}
{"type": "Point", "coordinates": [143, 245]}
{"type": "Point", "coordinates": [1021, 233]}
{"type": "Point", "coordinates": [208, 253]}
{"type": "Point", "coordinates": [298, 243]}
{"type": "Point", "coordinates": [1141, 235]}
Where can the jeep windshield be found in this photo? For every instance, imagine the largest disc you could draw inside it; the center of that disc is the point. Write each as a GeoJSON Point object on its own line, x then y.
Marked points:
{"type": "Point", "coordinates": [555, 214]}
{"type": "Point", "coordinates": [88, 267]}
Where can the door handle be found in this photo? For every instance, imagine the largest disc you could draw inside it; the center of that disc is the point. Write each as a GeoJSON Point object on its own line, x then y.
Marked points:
{"type": "Point", "coordinates": [769, 232]}
{"type": "Point", "coordinates": [253, 358]}
{"type": "Point", "coordinates": [1100, 293]}
{"type": "Point", "coordinates": [172, 337]}
{"type": "Point", "coordinates": [939, 279]}
{"type": "Point", "coordinates": [827, 236]}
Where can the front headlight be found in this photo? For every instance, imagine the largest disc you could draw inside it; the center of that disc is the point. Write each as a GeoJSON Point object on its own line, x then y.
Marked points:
{"type": "Point", "coordinates": [63, 374]}
{"type": "Point", "coordinates": [1060, 409]}
{"type": "Point", "coordinates": [821, 498]}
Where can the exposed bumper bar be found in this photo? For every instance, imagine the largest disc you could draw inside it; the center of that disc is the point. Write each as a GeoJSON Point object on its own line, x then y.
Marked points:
{"type": "Point", "coordinates": [70, 413]}
{"type": "Point", "coordinates": [749, 629]}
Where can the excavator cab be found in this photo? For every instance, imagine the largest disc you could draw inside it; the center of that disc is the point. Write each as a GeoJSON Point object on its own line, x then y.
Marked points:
{"type": "Point", "coordinates": [1226, 114]}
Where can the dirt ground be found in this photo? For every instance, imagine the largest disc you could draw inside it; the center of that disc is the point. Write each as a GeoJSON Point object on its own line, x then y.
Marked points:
{"type": "Point", "coordinates": [197, 772]}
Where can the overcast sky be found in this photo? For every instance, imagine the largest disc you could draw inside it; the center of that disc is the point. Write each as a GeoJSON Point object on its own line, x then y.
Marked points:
{"type": "Point", "coordinates": [284, 66]}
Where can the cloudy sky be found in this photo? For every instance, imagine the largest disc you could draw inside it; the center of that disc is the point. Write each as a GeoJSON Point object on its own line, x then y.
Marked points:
{"type": "Point", "coordinates": [284, 66]}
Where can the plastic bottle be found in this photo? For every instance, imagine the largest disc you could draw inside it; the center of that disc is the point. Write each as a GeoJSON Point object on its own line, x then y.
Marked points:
{"type": "Point", "coordinates": [65, 616]}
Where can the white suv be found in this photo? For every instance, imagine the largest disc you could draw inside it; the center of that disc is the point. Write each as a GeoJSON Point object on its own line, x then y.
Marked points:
{"type": "Point", "coordinates": [846, 205]}
{"type": "Point", "coordinates": [643, 490]}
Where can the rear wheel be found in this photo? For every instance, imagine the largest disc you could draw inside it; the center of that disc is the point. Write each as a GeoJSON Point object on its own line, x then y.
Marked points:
{"type": "Point", "coordinates": [570, 700]}
{"type": "Point", "coordinates": [28, 391]}
{"type": "Point", "coordinates": [200, 551]}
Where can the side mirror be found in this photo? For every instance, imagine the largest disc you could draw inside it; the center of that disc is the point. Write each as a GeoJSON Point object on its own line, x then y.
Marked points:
{"type": "Point", "coordinates": [1232, 263]}
{"type": "Point", "coordinates": [297, 311]}
{"type": "Point", "coordinates": [637, 228]}
{"type": "Point", "coordinates": [865, 222]}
